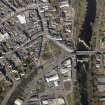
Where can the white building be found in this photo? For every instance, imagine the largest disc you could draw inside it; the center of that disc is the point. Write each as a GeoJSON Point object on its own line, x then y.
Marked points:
{"type": "Point", "coordinates": [18, 102]}
{"type": "Point", "coordinates": [44, 0]}
{"type": "Point", "coordinates": [67, 63]}
{"type": "Point", "coordinates": [52, 79]}
{"type": "Point", "coordinates": [4, 36]}
{"type": "Point", "coordinates": [57, 101]}
{"type": "Point", "coordinates": [64, 4]}
{"type": "Point", "coordinates": [101, 88]}
{"type": "Point", "coordinates": [64, 70]}
{"type": "Point", "coordinates": [21, 19]}
{"type": "Point", "coordinates": [101, 83]}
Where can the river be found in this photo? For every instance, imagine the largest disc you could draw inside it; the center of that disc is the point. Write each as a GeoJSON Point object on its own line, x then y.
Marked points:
{"type": "Point", "coordinates": [83, 71]}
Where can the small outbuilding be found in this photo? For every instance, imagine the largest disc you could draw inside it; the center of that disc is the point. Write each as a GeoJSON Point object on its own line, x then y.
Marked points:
{"type": "Point", "coordinates": [18, 102]}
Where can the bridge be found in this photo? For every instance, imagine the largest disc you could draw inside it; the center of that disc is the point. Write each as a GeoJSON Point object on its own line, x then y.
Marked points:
{"type": "Point", "coordinates": [85, 52]}
{"type": "Point", "coordinates": [64, 47]}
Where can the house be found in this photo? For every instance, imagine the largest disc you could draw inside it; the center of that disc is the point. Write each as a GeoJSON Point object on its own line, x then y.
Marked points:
{"type": "Point", "coordinates": [34, 100]}
{"type": "Point", "coordinates": [4, 36]}
{"type": "Point", "coordinates": [64, 4]}
{"type": "Point", "coordinates": [101, 83]}
{"type": "Point", "coordinates": [21, 53]}
{"type": "Point", "coordinates": [101, 100]}
{"type": "Point", "coordinates": [98, 65]}
{"type": "Point", "coordinates": [101, 87]}
{"type": "Point", "coordinates": [16, 60]}
{"type": "Point", "coordinates": [101, 79]}
{"type": "Point", "coordinates": [44, 7]}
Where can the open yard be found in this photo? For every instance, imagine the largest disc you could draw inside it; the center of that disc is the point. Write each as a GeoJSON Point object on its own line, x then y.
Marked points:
{"type": "Point", "coordinates": [50, 50]}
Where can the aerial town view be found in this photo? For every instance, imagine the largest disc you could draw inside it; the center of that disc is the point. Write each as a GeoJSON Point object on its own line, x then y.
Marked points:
{"type": "Point", "coordinates": [52, 52]}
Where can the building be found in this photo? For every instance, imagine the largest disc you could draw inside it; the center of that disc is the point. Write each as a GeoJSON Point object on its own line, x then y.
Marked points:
{"type": "Point", "coordinates": [101, 79]}
{"type": "Point", "coordinates": [54, 101]}
{"type": "Point", "coordinates": [21, 53]}
{"type": "Point", "coordinates": [66, 74]}
{"type": "Point", "coordinates": [67, 63]}
{"type": "Point", "coordinates": [4, 36]}
{"type": "Point", "coordinates": [34, 100]}
{"type": "Point", "coordinates": [66, 70]}
{"type": "Point", "coordinates": [52, 79]}
{"type": "Point", "coordinates": [21, 19]}
{"type": "Point", "coordinates": [101, 87]}
{"type": "Point", "coordinates": [101, 83]}
{"type": "Point", "coordinates": [44, 1]}
{"type": "Point", "coordinates": [64, 4]}
{"type": "Point", "coordinates": [18, 102]}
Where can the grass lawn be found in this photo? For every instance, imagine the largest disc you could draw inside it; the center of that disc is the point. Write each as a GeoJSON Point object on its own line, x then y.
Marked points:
{"type": "Point", "coordinates": [51, 50]}
{"type": "Point", "coordinates": [98, 42]}
{"type": "Point", "coordinates": [69, 99]}
{"type": "Point", "coordinates": [79, 5]}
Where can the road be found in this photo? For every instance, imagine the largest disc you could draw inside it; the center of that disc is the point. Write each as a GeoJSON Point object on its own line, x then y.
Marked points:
{"type": "Point", "coordinates": [19, 89]}
{"type": "Point", "coordinates": [59, 44]}
{"type": "Point", "coordinates": [5, 2]}
{"type": "Point", "coordinates": [20, 10]}
{"type": "Point", "coordinates": [8, 95]}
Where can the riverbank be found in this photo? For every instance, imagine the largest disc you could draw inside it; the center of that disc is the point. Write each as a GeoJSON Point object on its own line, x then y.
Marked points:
{"type": "Point", "coordinates": [96, 42]}
{"type": "Point", "coordinates": [80, 13]}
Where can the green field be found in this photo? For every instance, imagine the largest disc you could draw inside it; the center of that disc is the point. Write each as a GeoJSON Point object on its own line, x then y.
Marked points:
{"type": "Point", "coordinates": [80, 12]}
{"type": "Point", "coordinates": [51, 50]}
{"type": "Point", "coordinates": [69, 99]}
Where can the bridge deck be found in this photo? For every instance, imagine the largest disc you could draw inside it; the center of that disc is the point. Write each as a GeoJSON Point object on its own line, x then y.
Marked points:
{"type": "Point", "coordinates": [85, 52]}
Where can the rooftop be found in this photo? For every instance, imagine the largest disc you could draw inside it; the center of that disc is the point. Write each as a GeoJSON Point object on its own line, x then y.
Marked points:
{"type": "Point", "coordinates": [57, 101]}
{"type": "Point", "coordinates": [18, 102]}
